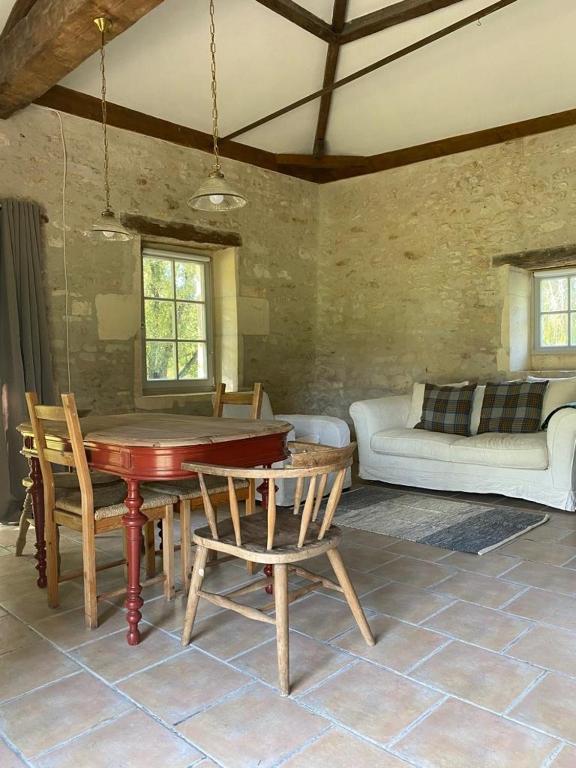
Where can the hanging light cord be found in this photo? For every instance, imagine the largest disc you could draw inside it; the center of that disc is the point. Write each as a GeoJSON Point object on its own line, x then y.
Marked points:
{"type": "Point", "coordinates": [214, 88]}
{"type": "Point", "coordinates": [102, 26]}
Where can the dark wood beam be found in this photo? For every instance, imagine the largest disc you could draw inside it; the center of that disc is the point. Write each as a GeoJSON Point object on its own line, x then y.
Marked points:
{"type": "Point", "coordinates": [327, 161]}
{"type": "Point", "coordinates": [338, 20]}
{"type": "Point", "coordinates": [83, 105]}
{"type": "Point", "coordinates": [301, 17]}
{"type": "Point", "coordinates": [52, 39]}
{"type": "Point", "coordinates": [418, 45]}
{"type": "Point", "coordinates": [542, 258]}
{"type": "Point", "coordinates": [179, 230]}
{"type": "Point", "coordinates": [19, 11]}
{"type": "Point", "coordinates": [390, 17]}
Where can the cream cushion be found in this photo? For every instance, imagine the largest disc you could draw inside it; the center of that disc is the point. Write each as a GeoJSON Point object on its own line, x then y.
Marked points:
{"type": "Point", "coordinates": [500, 449]}
{"type": "Point", "coordinates": [418, 391]}
{"type": "Point", "coordinates": [558, 392]}
{"type": "Point", "coordinates": [415, 443]}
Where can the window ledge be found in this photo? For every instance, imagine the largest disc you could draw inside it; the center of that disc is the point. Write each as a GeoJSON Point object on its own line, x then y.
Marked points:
{"type": "Point", "coordinates": [151, 402]}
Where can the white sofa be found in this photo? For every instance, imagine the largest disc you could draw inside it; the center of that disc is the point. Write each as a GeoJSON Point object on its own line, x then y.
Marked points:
{"type": "Point", "coordinates": [327, 430]}
{"type": "Point", "coordinates": [537, 466]}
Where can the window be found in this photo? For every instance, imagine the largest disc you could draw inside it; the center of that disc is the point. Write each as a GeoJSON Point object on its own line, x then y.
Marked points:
{"type": "Point", "coordinates": [555, 311]}
{"type": "Point", "coordinates": [177, 327]}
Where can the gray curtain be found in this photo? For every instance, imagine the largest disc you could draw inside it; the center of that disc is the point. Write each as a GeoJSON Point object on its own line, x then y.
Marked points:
{"type": "Point", "coordinates": [25, 362]}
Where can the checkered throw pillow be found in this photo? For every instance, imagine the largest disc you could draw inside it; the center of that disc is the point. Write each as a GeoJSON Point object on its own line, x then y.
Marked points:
{"type": "Point", "coordinates": [447, 409]}
{"type": "Point", "coordinates": [514, 406]}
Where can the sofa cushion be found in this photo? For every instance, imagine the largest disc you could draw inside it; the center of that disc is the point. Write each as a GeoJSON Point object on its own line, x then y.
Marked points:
{"type": "Point", "coordinates": [502, 449]}
{"type": "Point", "coordinates": [417, 401]}
{"type": "Point", "coordinates": [417, 444]}
{"type": "Point", "coordinates": [447, 409]}
{"type": "Point", "coordinates": [514, 406]}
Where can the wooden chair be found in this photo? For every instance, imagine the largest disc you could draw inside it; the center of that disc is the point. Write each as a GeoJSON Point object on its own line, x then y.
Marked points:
{"type": "Point", "coordinates": [281, 538]}
{"type": "Point", "coordinates": [190, 495]}
{"type": "Point", "coordinates": [89, 510]}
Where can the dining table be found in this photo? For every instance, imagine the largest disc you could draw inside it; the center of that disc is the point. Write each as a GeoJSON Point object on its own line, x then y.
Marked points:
{"type": "Point", "coordinates": [143, 447]}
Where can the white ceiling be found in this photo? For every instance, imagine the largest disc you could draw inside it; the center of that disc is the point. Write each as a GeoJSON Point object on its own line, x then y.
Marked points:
{"type": "Point", "coordinates": [519, 63]}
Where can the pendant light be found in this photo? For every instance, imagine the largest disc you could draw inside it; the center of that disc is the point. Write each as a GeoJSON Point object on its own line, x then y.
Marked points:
{"type": "Point", "coordinates": [215, 194]}
{"type": "Point", "coordinates": [108, 227]}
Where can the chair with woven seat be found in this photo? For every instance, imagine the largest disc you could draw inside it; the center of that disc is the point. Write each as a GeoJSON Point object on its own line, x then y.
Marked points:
{"type": "Point", "coordinates": [282, 538]}
{"type": "Point", "coordinates": [188, 489]}
{"type": "Point", "coordinates": [90, 510]}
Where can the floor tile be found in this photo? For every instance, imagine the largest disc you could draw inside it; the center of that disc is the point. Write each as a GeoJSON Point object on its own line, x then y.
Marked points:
{"type": "Point", "coordinates": [170, 616]}
{"type": "Point", "coordinates": [398, 645]}
{"type": "Point", "coordinates": [541, 605]}
{"type": "Point", "coordinates": [261, 727]}
{"type": "Point", "coordinates": [367, 538]}
{"type": "Point", "coordinates": [57, 712]}
{"type": "Point", "coordinates": [544, 576]}
{"type": "Point", "coordinates": [550, 706]}
{"type": "Point", "coordinates": [339, 749]}
{"type": "Point", "coordinates": [550, 532]}
{"type": "Point", "coordinates": [418, 573]}
{"type": "Point", "coordinates": [8, 759]}
{"type": "Point", "coordinates": [112, 657]}
{"type": "Point", "coordinates": [421, 551]}
{"type": "Point", "coordinates": [181, 686]}
{"type": "Point", "coordinates": [14, 634]}
{"type": "Point", "coordinates": [372, 701]}
{"type": "Point", "coordinates": [476, 675]}
{"type": "Point", "coordinates": [459, 735]}
{"type": "Point", "coordinates": [363, 582]}
{"type": "Point", "coordinates": [134, 740]}
{"type": "Point", "coordinates": [476, 624]}
{"type": "Point", "coordinates": [569, 539]}
{"type": "Point", "coordinates": [552, 648]}
{"type": "Point", "coordinates": [31, 604]}
{"type": "Point", "coordinates": [405, 602]}
{"type": "Point", "coordinates": [540, 551]}
{"type": "Point", "coordinates": [33, 665]}
{"type": "Point", "coordinates": [364, 559]}
{"type": "Point", "coordinates": [566, 758]}
{"type": "Point", "coordinates": [491, 593]}
{"type": "Point", "coordinates": [321, 617]}
{"type": "Point", "coordinates": [227, 634]}
{"type": "Point", "coordinates": [310, 662]}
{"type": "Point", "coordinates": [69, 630]}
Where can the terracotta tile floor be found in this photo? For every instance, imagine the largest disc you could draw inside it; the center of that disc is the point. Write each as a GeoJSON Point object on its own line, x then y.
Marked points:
{"type": "Point", "coordinates": [475, 667]}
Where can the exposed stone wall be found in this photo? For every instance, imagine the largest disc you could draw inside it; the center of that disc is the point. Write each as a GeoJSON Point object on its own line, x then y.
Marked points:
{"type": "Point", "coordinates": [276, 264]}
{"type": "Point", "coordinates": [406, 289]}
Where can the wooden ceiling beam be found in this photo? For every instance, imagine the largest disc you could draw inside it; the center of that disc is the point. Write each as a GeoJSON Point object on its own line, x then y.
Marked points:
{"type": "Point", "coordinates": [302, 17]}
{"type": "Point", "coordinates": [19, 10]}
{"type": "Point", "coordinates": [390, 17]}
{"type": "Point", "coordinates": [418, 45]}
{"type": "Point", "coordinates": [338, 21]}
{"type": "Point", "coordinates": [52, 39]}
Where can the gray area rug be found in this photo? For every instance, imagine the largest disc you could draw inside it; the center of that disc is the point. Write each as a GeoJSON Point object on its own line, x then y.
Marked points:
{"type": "Point", "coordinates": [462, 526]}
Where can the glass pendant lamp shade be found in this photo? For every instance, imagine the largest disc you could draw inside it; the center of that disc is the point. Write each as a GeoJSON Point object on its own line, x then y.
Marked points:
{"type": "Point", "coordinates": [108, 227]}
{"type": "Point", "coordinates": [216, 195]}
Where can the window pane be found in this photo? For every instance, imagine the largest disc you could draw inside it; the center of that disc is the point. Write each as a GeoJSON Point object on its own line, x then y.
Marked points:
{"type": "Point", "coordinates": [189, 280]}
{"type": "Point", "coordinates": [573, 293]}
{"type": "Point", "coordinates": [554, 294]}
{"type": "Point", "coordinates": [160, 360]}
{"type": "Point", "coordinates": [158, 281]}
{"type": "Point", "coordinates": [554, 330]}
{"type": "Point", "coordinates": [192, 360]}
{"type": "Point", "coordinates": [573, 329]}
{"type": "Point", "coordinates": [191, 323]}
{"type": "Point", "coordinates": [159, 319]}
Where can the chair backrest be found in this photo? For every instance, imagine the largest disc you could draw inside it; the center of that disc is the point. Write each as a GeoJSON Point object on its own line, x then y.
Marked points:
{"type": "Point", "coordinates": [307, 461]}
{"type": "Point", "coordinates": [62, 421]}
{"type": "Point", "coordinates": [252, 398]}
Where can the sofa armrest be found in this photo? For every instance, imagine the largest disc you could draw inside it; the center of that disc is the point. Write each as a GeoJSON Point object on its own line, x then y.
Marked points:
{"type": "Point", "coordinates": [328, 430]}
{"type": "Point", "coordinates": [561, 439]}
{"type": "Point", "coordinates": [372, 416]}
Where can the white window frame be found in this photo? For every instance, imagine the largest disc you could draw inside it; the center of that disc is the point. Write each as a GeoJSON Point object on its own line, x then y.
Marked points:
{"type": "Point", "coordinates": [179, 386]}
{"type": "Point", "coordinates": [537, 313]}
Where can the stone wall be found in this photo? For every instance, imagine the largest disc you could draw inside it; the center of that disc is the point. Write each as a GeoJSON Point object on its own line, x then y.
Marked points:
{"type": "Point", "coordinates": [276, 264]}
{"type": "Point", "coordinates": [406, 289]}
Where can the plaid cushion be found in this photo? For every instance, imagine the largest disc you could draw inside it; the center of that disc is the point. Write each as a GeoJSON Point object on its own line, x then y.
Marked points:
{"type": "Point", "coordinates": [514, 406]}
{"type": "Point", "coordinates": [447, 409]}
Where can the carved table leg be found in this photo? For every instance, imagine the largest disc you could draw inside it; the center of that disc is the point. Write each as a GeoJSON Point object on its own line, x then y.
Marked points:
{"type": "Point", "coordinates": [268, 569]}
{"type": "Point", "coordinates": [133, 521]}
{"type": "Point", "coordinates": [37, 493]}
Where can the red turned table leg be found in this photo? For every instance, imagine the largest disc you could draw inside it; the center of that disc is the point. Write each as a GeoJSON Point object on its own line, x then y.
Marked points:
{"type": "Point", "coordinates": [133, 521]}
{"type": "Point", "coordinates": [37, 494]}
{"type": "Point", "coordinates": [268, 570]}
